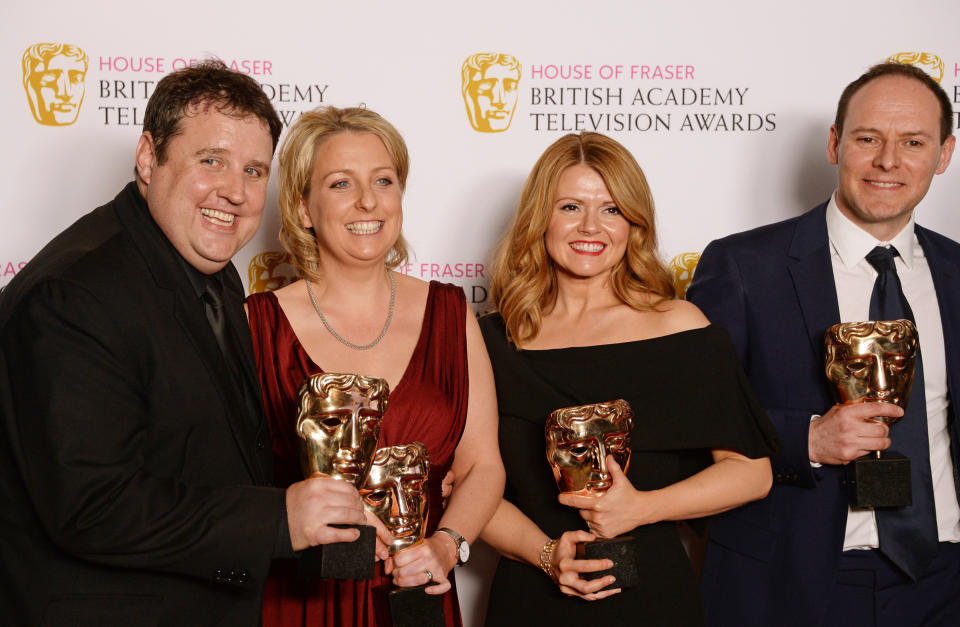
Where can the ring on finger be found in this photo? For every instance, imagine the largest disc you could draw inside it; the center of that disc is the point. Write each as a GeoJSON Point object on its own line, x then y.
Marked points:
{"type": "Point", "coordinates": [429, 575]}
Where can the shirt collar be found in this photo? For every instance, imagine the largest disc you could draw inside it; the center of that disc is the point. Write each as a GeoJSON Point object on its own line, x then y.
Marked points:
{"type": "Point", "coordinates": [852, 243]}
{"type": "Point", "coordinates": [198, 280]}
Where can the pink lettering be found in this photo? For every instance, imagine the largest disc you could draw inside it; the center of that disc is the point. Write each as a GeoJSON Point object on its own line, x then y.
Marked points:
{"type": "Point", "coordinates": [662, 72]}
{"type": "Point", "coordinates": [132, 64]}
{"type": "Point", "coordinates": [455, 270]}
{"type": "Point", "coordinates": [566, 72]}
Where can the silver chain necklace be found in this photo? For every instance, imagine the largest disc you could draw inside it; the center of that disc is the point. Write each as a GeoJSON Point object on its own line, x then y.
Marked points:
{"type": "Point", "coordinates": [340, 338]}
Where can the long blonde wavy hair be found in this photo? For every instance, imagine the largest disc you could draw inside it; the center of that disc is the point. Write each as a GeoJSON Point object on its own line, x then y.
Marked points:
{"type": "Point", "coordinates": [524, 279]}
{"type": "Point", "coordinates": [297, 155]}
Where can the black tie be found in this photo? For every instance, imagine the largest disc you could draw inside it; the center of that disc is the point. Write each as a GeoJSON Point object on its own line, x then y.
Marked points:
{"type": "Point", "coordinates": [908, 535]}
{"type": "Point", "coordinates": [214, 309]}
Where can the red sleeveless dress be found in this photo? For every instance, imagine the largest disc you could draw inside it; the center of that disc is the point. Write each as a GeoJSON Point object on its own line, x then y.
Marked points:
{"type": "Point", "coordinates": [429, 405]}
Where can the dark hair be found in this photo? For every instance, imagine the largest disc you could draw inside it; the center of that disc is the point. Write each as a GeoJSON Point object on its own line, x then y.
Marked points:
{"type": "Point", "coordinates": [907, 71]}
{"type": "Point", "coordinates": [209, 83]}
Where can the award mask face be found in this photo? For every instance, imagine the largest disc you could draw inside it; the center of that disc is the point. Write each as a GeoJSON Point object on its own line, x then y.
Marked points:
{"type": "Point", "coordinates": [396, 492]}
{"type": "Point", "coordinates": [339, 423]}
{"type": "Point", "coordinates": [872, 361]}
{"type": "Point", "coordinates": [580, 438]}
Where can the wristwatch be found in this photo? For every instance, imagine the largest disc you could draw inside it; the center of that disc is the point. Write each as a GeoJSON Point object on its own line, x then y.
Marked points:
{"type": "Point", "coordinates": [463, 549]}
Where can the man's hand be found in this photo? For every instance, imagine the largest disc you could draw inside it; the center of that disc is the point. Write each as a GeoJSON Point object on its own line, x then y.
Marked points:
{"type": "Point", "coordinates": [384, 538]}
{"type": "Point", "coordinates": [847, 432]}
{"type": "Point", "coordinates": [316, 502]}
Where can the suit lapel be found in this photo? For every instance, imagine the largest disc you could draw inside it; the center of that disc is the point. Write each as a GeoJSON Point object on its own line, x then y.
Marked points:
{"type": "Point", "coordinates": [812, 274]}
{"type": "Point", "coordinates": [169, 276]}
{"type": "Point", "coordinates": [946, 282]}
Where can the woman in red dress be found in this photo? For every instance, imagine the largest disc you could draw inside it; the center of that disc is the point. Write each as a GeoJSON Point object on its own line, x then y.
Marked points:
{"type": "Point", "coordinates": [342, 176]}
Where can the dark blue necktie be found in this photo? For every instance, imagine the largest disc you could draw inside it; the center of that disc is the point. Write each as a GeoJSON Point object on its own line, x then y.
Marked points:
{"type": "Point", "coordinates": [908, 535]}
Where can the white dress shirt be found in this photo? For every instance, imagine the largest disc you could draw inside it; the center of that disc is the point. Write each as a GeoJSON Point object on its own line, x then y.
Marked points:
{"type": "Point", "coordinates": [854, 277]}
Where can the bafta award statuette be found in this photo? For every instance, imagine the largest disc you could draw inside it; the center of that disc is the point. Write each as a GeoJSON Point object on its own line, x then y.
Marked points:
{"type": "Point", "coordinates": [578, 442]}
{"type": "Point", "coordinates": [338, 421]}
{"type": "Point", "coordinates": [872, 362]}
{"type": "Point", "coordinates": [396, 493]}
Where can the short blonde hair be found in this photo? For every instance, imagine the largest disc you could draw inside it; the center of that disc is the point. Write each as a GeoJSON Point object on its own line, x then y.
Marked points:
{"type": "Point", "coordinates": [297, 155]}
{"type": "Point", "coordinates": [524, 279]}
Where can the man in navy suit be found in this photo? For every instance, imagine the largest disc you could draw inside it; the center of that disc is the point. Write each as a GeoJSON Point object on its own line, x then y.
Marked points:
{"type": "Point", "coordinates": [803, 555]}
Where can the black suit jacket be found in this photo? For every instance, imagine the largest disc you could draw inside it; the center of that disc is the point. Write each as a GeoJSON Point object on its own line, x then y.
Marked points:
{"type": "Point", "coordinates": [773, 562]}
{"type": "Point", "coordinates": [135, 485]}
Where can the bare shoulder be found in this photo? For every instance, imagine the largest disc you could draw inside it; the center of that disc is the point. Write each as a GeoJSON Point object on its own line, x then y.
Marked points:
{"type": "Point", "coordinates": [290, 288]}
{"type": "Point", "coordinates": [292, 296]}
{"type": "Point", "coordinates": [675, 316]}
{"type": "Point", "coordinates": [411, 293]}
{"type": "Point", "coordinates": [409, 284]}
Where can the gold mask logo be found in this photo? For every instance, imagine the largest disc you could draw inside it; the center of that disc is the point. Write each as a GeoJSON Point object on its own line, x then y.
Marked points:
{"type": "Point", "coordinates": [53, 77]}
{"type": "Point", "coordinates": [270, 271]}
{"type": "Point", "coordinates": [682, 267]}
{"type": "Point", "coordinates": [489, 84]}
{"type": "Point", "coordinates": [926, 61]}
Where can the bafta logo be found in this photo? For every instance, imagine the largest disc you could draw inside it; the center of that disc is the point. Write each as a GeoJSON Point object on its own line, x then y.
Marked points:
{"type": "Point", "coordinates": [926, 61]}
{"type": "Point", "coordinates": [270, 271]}
{"type": "Point", "coordinates": [489, 83]}
{"type": "Point", "coordinates": [53, 77]}
{"type": "Point", "coordinates": [682, 267]}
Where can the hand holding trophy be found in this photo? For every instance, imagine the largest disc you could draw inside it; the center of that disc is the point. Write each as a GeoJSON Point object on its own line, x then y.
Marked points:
{"type": "Point", "coordinates": [396, 493]}
{"type": "Point", "coordinates": [873, 362]}
{"type": "Point", "coordinates": [339, 425]}
{"type": "Point", "coordinates": [578, 441]}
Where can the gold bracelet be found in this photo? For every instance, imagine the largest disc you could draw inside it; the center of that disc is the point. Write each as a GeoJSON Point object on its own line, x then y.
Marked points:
{"type": "Point", "coordinates": [545, 553]}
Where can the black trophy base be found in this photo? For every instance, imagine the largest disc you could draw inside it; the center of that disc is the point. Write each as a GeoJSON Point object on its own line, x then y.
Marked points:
{"type": "Point", "coordinates": [413, 607]}
{"type": "Point", "coordinates": [341, 560]}
{"type": "Point", "coordinates": [623, 551]}
{"type": "Point", "coordinates": [879, 481]}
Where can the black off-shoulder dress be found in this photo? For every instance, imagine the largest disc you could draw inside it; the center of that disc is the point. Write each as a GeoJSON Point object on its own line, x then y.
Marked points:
{"type": "Point", "coordinates": [688, 394]}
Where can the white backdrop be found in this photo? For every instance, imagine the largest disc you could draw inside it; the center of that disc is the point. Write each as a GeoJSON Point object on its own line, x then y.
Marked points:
{"type": "Point", "coordinates": [733, 101]}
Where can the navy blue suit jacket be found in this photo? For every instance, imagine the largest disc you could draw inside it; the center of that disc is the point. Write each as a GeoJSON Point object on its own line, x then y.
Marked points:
{"type": "Point", "coordinates": [773, 561]}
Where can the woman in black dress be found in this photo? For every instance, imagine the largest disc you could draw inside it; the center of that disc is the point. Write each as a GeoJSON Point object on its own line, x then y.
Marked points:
{"type": "Point", "coordinates": [586, 314]}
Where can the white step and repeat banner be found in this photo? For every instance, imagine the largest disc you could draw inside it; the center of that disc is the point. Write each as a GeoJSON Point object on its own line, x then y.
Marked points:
{"type": "Point", "coordinates": [725, 105]}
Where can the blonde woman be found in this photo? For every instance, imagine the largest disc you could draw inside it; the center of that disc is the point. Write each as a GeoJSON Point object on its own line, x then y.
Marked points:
{"type": "Point", "coordinates": [586, 314]}
{"type": "Point", "coordinates": [342, 175]}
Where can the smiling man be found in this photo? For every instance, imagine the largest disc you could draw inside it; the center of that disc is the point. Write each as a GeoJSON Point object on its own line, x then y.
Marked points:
{"type": "Point", "coordinates": [803, 556]}
{"type": "Point", "coordinates": [135, 460]}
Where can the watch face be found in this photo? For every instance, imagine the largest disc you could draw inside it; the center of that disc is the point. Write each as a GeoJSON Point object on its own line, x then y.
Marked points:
{"type": "Point", "coordinates": [463, 552]}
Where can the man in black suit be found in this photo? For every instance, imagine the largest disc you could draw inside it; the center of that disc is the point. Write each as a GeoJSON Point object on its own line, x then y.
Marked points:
{"type": "Point", "coordinates": [135, 459]}
{"type": "Point", "coordinates": [803, 556]}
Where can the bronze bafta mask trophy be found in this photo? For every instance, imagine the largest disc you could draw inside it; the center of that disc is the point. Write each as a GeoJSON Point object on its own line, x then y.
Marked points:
{"type": "Point", "coordinates": [578, 442]}
{"type": "Point", "coordinates": [396, 493]}
{"type": "Point", "coordinates": [339, 427]}
{"type": "Point", "coordinates": [872, 362]}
